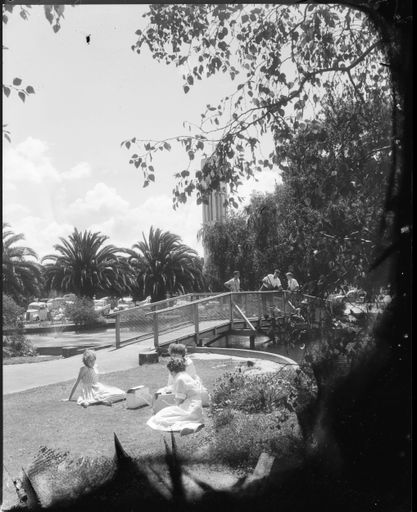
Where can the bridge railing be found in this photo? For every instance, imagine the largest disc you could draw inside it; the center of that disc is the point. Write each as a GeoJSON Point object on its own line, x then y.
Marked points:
{"type": "Point", "coordinates": [221, 308]}
{"type": "Point", "coordinates": [134, 323]}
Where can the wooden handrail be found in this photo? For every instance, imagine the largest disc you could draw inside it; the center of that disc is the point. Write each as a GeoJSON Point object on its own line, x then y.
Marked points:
{"type": "Point", "coordinates": [282, 293]}
{"type": "Point", "coordinates": [199, 301]}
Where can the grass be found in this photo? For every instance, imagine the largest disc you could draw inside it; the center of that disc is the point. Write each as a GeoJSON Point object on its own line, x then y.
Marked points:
{"type": "Point", "coordinates": [37, 417]}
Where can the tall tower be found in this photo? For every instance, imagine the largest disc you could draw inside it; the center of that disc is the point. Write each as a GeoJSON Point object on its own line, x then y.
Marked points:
{"type": "Point", "coordinates": [214, 211]}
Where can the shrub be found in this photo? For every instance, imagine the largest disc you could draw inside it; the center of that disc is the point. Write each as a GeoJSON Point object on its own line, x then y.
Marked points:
{"type": "Point", "coordinates": [241, 440]}
{"type": "Point", "coordinates": [16, 344]}
{"type": "Point", "coordinates": [288, 387]}
{"type": "Point", "coordinates": [255, 413]}
{"type": "Point", "coordinates": [11, 312]}
{"type": "Point", "coordinates": [82, 313]}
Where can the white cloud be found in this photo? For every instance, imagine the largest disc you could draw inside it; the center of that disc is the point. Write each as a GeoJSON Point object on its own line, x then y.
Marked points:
{"type": "Point", "coordinates": [125, 228]}
{"type": "Point", "coordinates": [41, 234]}
{"type": "Point", "coordinates": [265, 182]}
{"type": "Point", "coordinates": [79, 171]}
{"type": "Point", "coordinates": [14, 210]}
{"type": "Point", "coordinates": [99, 201]}
{"type": "Point", "coordinates": [28, 162]}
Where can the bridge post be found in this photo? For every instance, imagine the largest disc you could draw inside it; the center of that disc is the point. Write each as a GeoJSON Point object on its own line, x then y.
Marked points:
{"type": "Point", "coordinates": [117, 327]}
{"type": "Point", "coordinates": [155, 331]}
{"type": "Point", "coordinates": [231, 310]}
{"type": "Point", "coordinates": [196, 325]}
{"type": "Point", "coordinates": [259, 301]}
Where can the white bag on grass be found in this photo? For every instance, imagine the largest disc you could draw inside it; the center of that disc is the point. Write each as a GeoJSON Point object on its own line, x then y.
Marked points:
{"type": "Point", "coordinates": [138, 396]}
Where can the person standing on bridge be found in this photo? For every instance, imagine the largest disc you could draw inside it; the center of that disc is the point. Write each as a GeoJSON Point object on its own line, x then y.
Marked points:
{"type": "Point", "coordinates": [233, 284]}
{"type": "Point", "coordinates": [270, 283]}
{"type": "Point", "coordinates": [293, 285]}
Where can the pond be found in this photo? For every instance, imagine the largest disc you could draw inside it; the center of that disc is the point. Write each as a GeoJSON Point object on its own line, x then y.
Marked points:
{"type": "Point", "coordinates": [61, 338]}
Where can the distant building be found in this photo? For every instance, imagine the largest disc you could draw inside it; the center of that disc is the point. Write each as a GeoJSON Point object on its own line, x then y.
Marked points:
{"type": "Point", "coordinates": [214, 211]}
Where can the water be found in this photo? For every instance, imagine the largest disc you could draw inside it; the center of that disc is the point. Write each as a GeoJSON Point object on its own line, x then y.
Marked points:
{"type": "Point", "coordinates": [107, 336]}
{"type": "Point", "coordinates": [262, 343]}
{"type": "Point", "coordinates": [58, 338]}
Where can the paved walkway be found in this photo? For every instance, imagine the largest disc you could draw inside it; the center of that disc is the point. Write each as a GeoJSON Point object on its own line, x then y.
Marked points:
{"type": "Point", "coordinates": [20, 377]}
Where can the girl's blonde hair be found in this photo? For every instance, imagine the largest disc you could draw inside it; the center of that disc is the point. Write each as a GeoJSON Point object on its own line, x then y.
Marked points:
{"type": "Point", "coordinates": [89, 358]}
{"type": "Point", "coordinates": [177, 349]}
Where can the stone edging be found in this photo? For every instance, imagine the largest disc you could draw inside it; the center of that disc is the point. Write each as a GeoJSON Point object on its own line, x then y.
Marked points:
{"type": "Point", "coordinates": [242, 352]}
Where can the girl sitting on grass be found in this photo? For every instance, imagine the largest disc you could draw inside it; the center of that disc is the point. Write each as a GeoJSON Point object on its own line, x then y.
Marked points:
{"type": "Point", "coordinates": [179, 351]}
{"type": "Point", "coordinates": [92, 391]}
{"type": "Point", "coordinates": [187, 415]}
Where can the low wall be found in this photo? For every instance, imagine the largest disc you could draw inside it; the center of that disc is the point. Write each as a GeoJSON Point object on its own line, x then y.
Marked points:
{"type": "Point", "coordinates": [243, 352]}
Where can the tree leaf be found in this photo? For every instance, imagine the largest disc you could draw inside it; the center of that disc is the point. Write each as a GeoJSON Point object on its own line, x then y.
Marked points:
{"type": "Point", "coordinates": [59, 9]}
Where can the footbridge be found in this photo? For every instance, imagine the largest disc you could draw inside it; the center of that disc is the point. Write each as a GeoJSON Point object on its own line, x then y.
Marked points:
{"type": "Point", "coordinates": [202, 319]}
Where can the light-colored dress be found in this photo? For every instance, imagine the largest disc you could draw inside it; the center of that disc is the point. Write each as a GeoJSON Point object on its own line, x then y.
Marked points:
{"type": "Point", "coordinates": [191, 371]}
{"type": "Point", "coordinates": [93, 391]}
{"type": "Point", "coordinates": [188, 414]}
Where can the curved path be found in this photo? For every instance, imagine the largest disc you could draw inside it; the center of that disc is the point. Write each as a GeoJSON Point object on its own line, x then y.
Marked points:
{"type": "Point", "coordinates": [20, 377]}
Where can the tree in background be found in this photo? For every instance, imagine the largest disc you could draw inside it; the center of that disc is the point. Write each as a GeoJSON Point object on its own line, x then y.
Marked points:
{"type": "Point", "coordinates": [321, 220]}
{"type": "Point", "coordinates": [230, 247]}
{"type": "Point", "coordinates": [21, 275]}
{"type": "Point", "coordinates": [85, 266]}
{"type": "Point", "coordinates": [165, 265]}
{"type": "Point", "coordinates": [82, 312]}
{"type": "Point", "coordinates": [335, 171]}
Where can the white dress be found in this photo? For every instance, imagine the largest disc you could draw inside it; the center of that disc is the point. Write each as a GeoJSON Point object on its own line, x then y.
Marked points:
{"type": "Point", "coordinates": [92, 391]}
{"type": "Point", "coordinates": [191, 371]}
{"type": "Point", "coordinates": [188, 414]}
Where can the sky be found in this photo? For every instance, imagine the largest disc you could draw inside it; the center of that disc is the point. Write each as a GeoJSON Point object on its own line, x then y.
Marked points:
{"type": "Point", "coordinates": [64, 167]}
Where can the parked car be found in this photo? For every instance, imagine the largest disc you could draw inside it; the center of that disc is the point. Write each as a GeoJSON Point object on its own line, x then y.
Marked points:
{"type": "Point", "coordinates": [124, 303]}
{"type": "Point", "coordinates": [70, 298]}
{"type": "Point", "coordinates": [56, 303]}
{"type": "Point", "coordinates": [102, 306]}
{"type": "Point", "coordinates": [58, 315]}
{"type": "Point", "coordinates": [36, 312]}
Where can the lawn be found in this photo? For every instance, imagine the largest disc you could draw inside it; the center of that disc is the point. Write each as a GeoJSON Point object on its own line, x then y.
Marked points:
{"type": "Point", "coordinates": [37, 417]}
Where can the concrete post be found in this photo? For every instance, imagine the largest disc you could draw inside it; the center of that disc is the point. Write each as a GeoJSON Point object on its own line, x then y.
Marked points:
{"type": "Point", "coordinates": [196, 325]}
{"type": "Point", "coordinates": [155, 331]}
{"type": "Point", "coordinates": [117, 331]}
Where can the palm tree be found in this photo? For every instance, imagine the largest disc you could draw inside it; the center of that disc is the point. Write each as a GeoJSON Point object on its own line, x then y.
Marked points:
{"type": "Point", "coordinates": [164, 264]}
{"type": "Point", "coordinates": [20, 275]}
{"type": "Point", "coordinates": [86, 267]}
